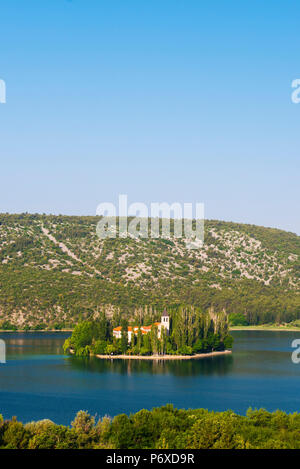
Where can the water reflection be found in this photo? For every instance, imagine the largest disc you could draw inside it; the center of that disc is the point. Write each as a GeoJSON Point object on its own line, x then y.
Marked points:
{"type": "Point", "coordinates": [219, 365]}
{"type": "Point", "coordinates": [33, 343]}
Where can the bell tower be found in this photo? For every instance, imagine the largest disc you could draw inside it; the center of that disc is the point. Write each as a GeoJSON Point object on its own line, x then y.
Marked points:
{"type": "Point", "coordinates": [165, 321]}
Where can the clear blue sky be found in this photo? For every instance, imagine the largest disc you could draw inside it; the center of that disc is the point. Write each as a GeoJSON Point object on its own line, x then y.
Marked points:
{"type": "Point", "coordinates": [163, 100]}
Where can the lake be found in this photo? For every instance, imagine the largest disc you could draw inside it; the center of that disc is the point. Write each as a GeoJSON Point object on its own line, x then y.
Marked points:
{"type": "Point", "coordinates": [38, 381]}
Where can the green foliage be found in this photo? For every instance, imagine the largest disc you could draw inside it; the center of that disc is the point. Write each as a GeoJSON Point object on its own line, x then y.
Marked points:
{"type": "Point", "coordinates": [98, 347]}
{"type": "Point", "coordinates": [7, 326]}
{"type": "Point", "coordinates": [228, 342]}
{"type": "Point", "coordinates": [161, 428]}
{"type": "Point", "coordinates": [199, 346]}
{"type": "Point", "coordinates": [83, 334]}
{"type": "Point", "coordinates": [185, 350]}
{"type": "Point", "coordinates": [238, 319]}
{"type": "Point", "coordinates": [111, 349]}
{"type": "Point", "coordinates": [67, 345]}
{"type": "Point", "coordinates": [83, 422]}
{"type": "Point", "coordinates": [124, 336]}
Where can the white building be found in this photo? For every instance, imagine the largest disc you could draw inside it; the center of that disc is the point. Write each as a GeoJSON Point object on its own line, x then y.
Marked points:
{"type": "Point", "coordinates": [165, 323]}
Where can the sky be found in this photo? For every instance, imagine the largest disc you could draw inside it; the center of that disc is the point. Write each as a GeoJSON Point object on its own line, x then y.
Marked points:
{"type": "Point", "coordinates": [165, 101]}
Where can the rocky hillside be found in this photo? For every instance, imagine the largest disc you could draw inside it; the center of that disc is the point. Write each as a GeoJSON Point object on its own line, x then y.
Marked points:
{"type": "Point", "coordinates": [54, 269]}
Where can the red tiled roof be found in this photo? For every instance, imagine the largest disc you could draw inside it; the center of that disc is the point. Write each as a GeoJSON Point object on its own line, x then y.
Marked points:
{"type": "Point", "coordinates": [144, 329]}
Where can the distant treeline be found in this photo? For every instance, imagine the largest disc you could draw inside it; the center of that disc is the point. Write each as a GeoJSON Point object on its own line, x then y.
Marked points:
{"type": "Point", "coordinates": [161, 428]}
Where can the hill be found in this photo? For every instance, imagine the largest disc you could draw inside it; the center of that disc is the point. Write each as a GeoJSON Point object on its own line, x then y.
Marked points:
{"type": "Point", "coordinates": [55, 270]}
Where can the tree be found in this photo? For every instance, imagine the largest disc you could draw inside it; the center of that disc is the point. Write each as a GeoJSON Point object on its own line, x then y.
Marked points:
{"type": "Point", "coordinates": [83, 422]}
{"type": "Point", "coordinates": [198, 346]}
{"type": "Point", "coordinates": [228, 342]}
{"type": "Point", "coordinates": [238, 319]}
{"type": "Point", "coordinates": [146, 348]}
{"type": "Point", "coordinates": [155, 343]}
{"type": "Point", "coordinates": [124, 335]}
{"type": "Point", "coordinates": [121, 432]}
{"type": "Point", "coordinates": [83, 334]}
{"type": "Point", "coordinates": [98, 347]}
{"type": "Point", "coordinates": [139, 341]}
{"type": "Point", "coordinates": [103, 328]}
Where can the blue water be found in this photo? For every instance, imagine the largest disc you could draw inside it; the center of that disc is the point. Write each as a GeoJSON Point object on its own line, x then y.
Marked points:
{"type": "Point", "coordinates": [38, 381]}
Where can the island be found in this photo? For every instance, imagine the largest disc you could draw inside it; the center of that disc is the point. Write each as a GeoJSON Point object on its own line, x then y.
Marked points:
{"type": "Point", "coordinates": [184, 333]}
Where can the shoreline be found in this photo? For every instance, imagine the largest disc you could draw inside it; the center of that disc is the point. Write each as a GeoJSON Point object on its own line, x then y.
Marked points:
{"type": "Point", "coordinates": [265, 328]}
{"type": "Point", "coordinates": [24, 331]}
{"type": "Point", "coordinates": [233, 328]}
{"type": "Point", "coordinates": [161, 357]}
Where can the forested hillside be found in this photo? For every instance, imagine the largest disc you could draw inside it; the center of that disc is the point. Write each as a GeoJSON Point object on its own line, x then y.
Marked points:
{"type": "Point", "coordinates": [54, 270]}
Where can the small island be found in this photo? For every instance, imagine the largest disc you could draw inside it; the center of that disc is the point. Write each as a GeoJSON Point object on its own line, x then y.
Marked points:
{"type": "Point", "coordinates": [187, 332]}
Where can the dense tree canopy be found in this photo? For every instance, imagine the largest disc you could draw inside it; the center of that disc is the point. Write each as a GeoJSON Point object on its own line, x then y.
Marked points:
{"type": "Point", "coordinates": [160, 428]}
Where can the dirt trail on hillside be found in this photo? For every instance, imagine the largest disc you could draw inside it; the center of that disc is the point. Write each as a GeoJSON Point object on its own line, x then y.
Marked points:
{"type": "Point", "coordinates": [66, 250]}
